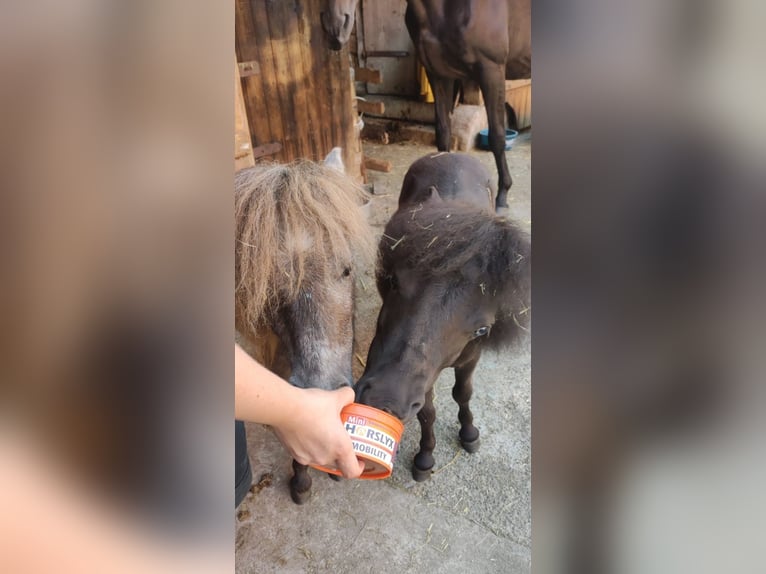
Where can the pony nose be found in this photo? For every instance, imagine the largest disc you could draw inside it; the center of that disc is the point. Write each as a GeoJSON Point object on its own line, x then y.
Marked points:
{"type": "Point", "coordinates": [394, 412]}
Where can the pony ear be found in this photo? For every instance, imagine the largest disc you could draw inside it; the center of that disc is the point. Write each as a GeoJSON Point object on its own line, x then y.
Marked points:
{"type": "Point", "coordinates": [433, 195]}
{"type": "Point", "coordinates": [334, 160]}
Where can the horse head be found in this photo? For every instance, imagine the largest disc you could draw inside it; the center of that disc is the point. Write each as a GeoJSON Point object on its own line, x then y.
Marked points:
{"type": "Point", "coordinates": [300, 234]}
{"type": "Point", "coordinates": [338, 21]}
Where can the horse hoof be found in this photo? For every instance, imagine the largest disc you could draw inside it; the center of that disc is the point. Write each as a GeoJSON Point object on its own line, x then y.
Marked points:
{"type": "Point", "coordinates": [335, 477]}
{"type": "Point", "coordinates": [300, 490]}
{"type": "Point", "coordinates": [502, 210]}
{"type": "Point", "coordinates": [300, 497]}
{"type": "Point", "coordinates": [421, 475]}
{"type": "Point", "coordinates": [471, 445]}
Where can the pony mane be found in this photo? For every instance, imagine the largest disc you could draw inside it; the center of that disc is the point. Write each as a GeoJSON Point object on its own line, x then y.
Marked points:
{"type": "Point", "coordinates": [441, 240]}
{"type": "Point", "coordinates": [287, 216]}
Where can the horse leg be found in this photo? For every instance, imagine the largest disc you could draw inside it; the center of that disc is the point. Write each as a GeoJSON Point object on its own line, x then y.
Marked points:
{"type": "Point", "coordinates": [300, 483]}
{"type": "Point", "coordinates": [424, 460]}
{"type": "Point", "coordinates": [461, 392]}
{"type": "Point", "coordinates": [492, 83]}
{"type": "Point", "coordinates": [443, 89]}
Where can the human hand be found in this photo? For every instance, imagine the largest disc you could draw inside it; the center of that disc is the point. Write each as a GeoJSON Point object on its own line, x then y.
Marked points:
{"type": "Point", "coordinates": [314, 433]}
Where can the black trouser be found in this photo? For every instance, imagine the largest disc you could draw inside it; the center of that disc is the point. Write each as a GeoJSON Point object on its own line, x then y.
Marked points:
{"type": "Point", "coordinates": [242, 473]}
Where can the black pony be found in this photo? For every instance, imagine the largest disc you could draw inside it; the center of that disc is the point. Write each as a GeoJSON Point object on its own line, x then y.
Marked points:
{"type": "Point", "coordinates": [454, 279]}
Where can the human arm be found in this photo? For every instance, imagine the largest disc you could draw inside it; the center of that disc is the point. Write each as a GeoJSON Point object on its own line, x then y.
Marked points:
{"type": "Point", "coordinates": [307, 421]}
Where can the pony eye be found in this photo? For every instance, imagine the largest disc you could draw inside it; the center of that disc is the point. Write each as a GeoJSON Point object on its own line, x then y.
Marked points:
{"type": "Point", "coordinates": [481, 331]}
{"type": "Point", "coordinates": [347, 271]}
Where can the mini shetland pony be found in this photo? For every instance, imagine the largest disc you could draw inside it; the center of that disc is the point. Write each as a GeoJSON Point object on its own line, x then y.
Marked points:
{"type": "Point", "coordinates": [299, 233]}
{"type": "Point", "coordinates": [454, 279]}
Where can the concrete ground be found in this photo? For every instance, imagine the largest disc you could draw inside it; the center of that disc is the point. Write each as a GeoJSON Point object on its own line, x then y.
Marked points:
{"type": "Point", "coordinates": [473, 515]}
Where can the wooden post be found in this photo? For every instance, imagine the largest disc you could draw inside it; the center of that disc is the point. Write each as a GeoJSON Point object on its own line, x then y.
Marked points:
{"type": "Point", "coordinates": [298, 93]}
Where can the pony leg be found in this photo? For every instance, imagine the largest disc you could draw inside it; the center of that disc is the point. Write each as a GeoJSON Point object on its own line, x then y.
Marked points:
{"type": "Point", "coordinates": [424, 460]}
{"type": "Point", "coordinates": [462, 392]}
{"type": "Point", "coordinates": [492, 83]}
{"type": "Point", "coordinates": [443, 89]}
{"type": "Point", "coordinates": [300, 483]}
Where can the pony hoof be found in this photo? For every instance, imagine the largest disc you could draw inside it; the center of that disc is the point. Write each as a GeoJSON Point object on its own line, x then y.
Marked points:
{"type": "Point", "coordinates": [335, 477]}
{"type": "Point", "coordinates": [300, 490]}
{"type": "Point", "coordinates": [502, 210]}
{"type": "Point", "coordinates": [421, 475]}
{"type": "Point", "coordinates": [471, 445]}
{"type": "Point", "coordinates": [300, 497]}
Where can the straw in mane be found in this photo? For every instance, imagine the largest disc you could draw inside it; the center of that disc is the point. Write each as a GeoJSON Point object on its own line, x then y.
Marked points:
{"type": "Point", "coordinates": [293, 222]}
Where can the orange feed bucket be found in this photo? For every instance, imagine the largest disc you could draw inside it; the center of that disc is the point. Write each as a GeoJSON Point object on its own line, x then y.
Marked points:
{"type": "Point", "coordinates": [375, 436]}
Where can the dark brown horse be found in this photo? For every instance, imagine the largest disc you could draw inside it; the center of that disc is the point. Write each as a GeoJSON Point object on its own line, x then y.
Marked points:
{"type": "Point", "coordinates": [486, 41]}
{"type": "Point", "coordinates": [454, 279]}
{"type": "Point", "coordinates": [299, 233]}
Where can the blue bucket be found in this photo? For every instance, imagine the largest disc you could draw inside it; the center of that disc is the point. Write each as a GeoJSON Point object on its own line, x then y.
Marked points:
{"type": "Point", "coordinates": [510, 135]}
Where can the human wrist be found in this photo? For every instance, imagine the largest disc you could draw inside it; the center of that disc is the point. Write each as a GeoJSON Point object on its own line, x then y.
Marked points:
{"type": "Point", "coordinates": [288, 406]}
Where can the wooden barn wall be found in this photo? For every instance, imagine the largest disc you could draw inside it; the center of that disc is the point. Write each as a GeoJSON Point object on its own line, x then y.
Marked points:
{"type": "Point", "coordinates": [298, 93]}
{"type": "Point", "coordinates": [387, 47]}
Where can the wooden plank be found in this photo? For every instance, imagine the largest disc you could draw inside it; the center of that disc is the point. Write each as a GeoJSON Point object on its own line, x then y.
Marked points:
{"type": "Point", "coordinates": [316, 53]}
{"type": "Point", "coordinates": [243, 148]}
{"type": "Point", "coordinates": [337, 100]}
{"type": "Point", "coordinates": [385, 33]}
{"type": "Point", "coordinates": [283, 77]}
{"type": "Point", "coordinates": [299, 87]}
{"type": "Point", "coordinates": [323, 61]}
{"type": "Point", "coordinates": [368, 75]}
{"type": "Point", "coordinates": [309, 44]}
{"type": "Point", "coordinates": [350, 124]}
{"type": "Point", "coordinates": [511, 84]}
{"type": "Point", "coordinates": [371, 107]}
{"type": "Point", "coordinates": [397, 108]}
{"type": "Point", "coordinates": [345, 113]}
{"type": "Point", "coordinates": [377, 164]}
{"type": "Point", "coordinates": [518, 95]}
{"type": "Point", "coordinates": [260, 91]}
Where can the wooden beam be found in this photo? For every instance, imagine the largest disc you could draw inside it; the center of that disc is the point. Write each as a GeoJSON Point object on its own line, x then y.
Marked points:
{"type": "Point", "coordinates": [397, 108]}
{"type": "Point", "coordinates": [368, 75]}
{"type": "Point", "coordinates": [377, 164]}
{"type": "Point", "coordinates": [368, 107]}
